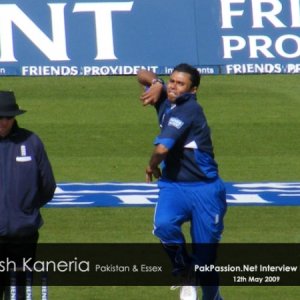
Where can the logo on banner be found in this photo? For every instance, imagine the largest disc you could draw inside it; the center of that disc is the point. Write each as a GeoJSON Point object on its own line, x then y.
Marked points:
{"type": "Point", "coordinates": [265, 29]}
{"type": "Point", "coordinates": [55, 48]}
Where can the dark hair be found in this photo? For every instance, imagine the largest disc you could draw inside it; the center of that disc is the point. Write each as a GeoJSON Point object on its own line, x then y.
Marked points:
{"type": "Point", "coordinates": [194, 73]}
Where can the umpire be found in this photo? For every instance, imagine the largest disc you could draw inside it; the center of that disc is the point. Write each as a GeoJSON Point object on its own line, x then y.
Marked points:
{"type": "Point", "coordinates": [26, 184]}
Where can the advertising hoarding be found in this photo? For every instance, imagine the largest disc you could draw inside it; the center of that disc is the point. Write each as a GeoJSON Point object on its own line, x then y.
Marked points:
{"type": "Point", "coordinates": [80, 37]}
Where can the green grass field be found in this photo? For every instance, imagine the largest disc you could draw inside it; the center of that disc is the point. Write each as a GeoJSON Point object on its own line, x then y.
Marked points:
{"type": "Point", "coordinates": [95, 130]}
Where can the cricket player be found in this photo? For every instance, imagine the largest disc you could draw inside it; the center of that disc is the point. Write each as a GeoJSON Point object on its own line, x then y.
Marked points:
{"type": "Point", "coordinates": [190, 187]}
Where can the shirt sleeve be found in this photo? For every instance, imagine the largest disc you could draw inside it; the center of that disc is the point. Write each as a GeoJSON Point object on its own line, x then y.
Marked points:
{"type": "Point", "coordinates": [174, 128]}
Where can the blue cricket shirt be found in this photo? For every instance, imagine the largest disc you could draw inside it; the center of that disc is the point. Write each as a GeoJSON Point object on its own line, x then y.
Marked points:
{"type": "Point", "coordinates": [185, 132]}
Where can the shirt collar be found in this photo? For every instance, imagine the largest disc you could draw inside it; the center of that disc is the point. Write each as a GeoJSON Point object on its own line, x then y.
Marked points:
{"type": "Point", "coordinates": [185, 97]}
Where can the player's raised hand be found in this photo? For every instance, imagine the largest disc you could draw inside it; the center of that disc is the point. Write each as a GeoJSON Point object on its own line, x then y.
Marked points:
{"type": "Point", "coordinates": [152, 95]}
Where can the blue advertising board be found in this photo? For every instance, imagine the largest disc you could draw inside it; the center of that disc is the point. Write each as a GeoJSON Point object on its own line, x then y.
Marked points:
{"type": "Point", "coordinates": [97, 37]}
{"type": "Point", "coordinates": [111, 194]}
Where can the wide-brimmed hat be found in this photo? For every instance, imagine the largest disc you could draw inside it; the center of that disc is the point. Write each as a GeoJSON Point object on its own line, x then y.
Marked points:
{"type": "Point", "coordinates": [8, 105]}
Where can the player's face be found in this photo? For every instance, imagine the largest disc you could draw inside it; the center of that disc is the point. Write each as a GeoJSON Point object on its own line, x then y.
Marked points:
{"type": "Point", "coordinates": [179, 83]}
{"type": "Point", "coordinates": [6, 125]}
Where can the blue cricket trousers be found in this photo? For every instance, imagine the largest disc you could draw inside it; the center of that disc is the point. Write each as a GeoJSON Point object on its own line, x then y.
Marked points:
{"type": "Point", "coordinates": [204, 205]}
{"type": "Point", "coordinates": [201, 203]}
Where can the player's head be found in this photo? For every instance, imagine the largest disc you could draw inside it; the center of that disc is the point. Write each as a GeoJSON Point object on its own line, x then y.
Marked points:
{"type": "Point", "coordinates": [194, 73]}
{"type": "Point", "coordinates": [184, 79]}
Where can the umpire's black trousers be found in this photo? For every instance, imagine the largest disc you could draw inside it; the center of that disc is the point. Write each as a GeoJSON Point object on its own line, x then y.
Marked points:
{"type": "Point", "coordinates": [14, 250]}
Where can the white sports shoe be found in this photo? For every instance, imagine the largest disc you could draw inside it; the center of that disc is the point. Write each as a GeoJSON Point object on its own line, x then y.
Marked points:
{"type": "Point", "coordinates": [188, 292]}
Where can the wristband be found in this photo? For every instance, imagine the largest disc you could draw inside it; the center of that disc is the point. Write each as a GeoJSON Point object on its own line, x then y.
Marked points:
{"type": "Point", "coordinates": [155, 80]}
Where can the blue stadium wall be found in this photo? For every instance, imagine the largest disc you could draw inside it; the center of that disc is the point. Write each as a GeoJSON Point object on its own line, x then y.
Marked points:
{"type": "Point", "coordinates": [55, 37]}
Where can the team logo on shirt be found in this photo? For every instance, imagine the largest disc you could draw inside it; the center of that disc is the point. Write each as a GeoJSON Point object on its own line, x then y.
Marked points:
{"type": "Point", "coordinates": [24, 157]}
{"type": "Point", "coordinates": [175, 122]}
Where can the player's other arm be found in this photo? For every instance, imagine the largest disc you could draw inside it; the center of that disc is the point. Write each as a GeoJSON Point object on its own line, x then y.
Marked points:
{"type": "Point", "coordinates": [158, 155]}
{"type": "Point", "coordinates": [153, 87]}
